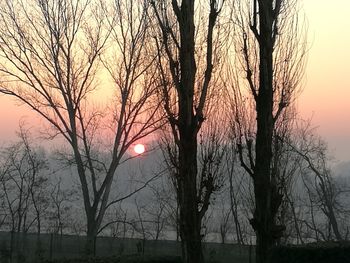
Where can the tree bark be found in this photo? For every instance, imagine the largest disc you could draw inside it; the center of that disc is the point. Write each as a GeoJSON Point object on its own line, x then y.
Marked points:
{"type": "Point", "coordinates": [91, 235]}
{"type": "Point", "coordinates": [190, 221]}
{"type": "Point", "coordinates": [267, 198]}
{"type": "Point", "coordinates": [187, 118]}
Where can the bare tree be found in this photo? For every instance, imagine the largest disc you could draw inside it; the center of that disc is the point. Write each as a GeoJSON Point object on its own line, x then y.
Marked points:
{"type": "Point", "coordinates": [285, 168]}
{"type": "Point", "coordinates": [158, 211]}
{"type": "Point", "coordinates": [237, 185]}
{"type": "Point", "coordinates": [186, 71]}
{"type": "Point", "coordinates": [270, 54]}
{"type": "Point", "coordinates": [60, 202]}
{"type": "Point", "coordinates": [210, 175]}
{"type": "Point", "coordinates": [4, 213]}
{"type": "Point", "coordinates": [322, 190]}
{"type": "Point", "coordinates": [23, 183]}
{"type": "Point", "coordinates": [50, 54]}
{"type": "Point", "coordinates": [222, 222]}
{"type": "Point", "coordinates": [164, 208]}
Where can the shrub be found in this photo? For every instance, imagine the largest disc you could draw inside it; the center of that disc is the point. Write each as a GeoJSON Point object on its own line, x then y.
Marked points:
{"type": "Point", "coordinates": [337, 253]}
{"type": "Point", "coordinates": [153, 259]}
{"type": "Point", "coordinates": [126, 259]}
{"type": "Point", "coordinates": [86, 260]}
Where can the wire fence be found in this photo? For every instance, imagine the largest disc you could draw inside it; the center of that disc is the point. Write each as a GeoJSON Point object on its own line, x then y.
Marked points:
{"type": "Point", "coordinates": [32, 248]}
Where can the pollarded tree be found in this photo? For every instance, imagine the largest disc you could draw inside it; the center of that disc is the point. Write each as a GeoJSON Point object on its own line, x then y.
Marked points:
{"type": "Point", "coordinates": [270, 53]}
{"type": "Point", "coordinates": [50, 61]}
{"type": "Point", "coordinates": [187, 55]}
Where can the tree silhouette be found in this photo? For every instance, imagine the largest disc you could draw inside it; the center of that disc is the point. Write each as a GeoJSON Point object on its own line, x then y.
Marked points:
{"type": "Point", "coordinates": [187, 53]}
{"type": "Point", "coordinates": [52, 53]}
{"type": "Point", "coordinates": [271, 53]}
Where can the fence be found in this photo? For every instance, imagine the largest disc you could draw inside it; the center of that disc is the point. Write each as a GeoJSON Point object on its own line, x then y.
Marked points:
{"type": "Point", "coordinates": [30, 248]}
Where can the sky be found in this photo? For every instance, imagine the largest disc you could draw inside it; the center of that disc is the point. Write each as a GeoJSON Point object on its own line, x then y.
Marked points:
{"type": "Point", "coordinates": [326, 92]}
{"type": "Point", "coordinates": [326, 95]}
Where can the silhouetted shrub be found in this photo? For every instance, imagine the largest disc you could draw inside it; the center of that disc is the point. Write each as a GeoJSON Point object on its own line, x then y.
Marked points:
{"type": "Point", "coordinates": [124, 259]}
{"type": "Point", "coordinates": [86, 260]}
{"type": "Point", "coordinates": [152, 259]}
{"type": "Point", "coordinates": [316, 253]}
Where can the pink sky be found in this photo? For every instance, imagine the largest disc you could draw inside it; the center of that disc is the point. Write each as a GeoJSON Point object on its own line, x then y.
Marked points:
{"type": "Point", "coordinates": [326, 94]}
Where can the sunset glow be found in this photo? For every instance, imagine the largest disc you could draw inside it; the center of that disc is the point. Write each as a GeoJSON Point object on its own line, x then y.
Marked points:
{"type": "Point", "coordinates": [139, 148]}
{"type": "Point", "coordinates": [129, 118]}
{"type": "Point", "coordinates": [326, 88]}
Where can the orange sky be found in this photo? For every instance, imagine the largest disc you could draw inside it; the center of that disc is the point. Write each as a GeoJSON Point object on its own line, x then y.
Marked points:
{"type": "Point", "coordinates": [326, 94]}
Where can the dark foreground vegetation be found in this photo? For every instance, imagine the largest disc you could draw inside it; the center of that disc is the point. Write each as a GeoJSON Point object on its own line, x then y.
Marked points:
{"type": "Point", "coordinates": [126, 259]}
{"type": "Point", "coordinates": [312, 253]}
{"type": "Point", "coordinates": [324, 253]}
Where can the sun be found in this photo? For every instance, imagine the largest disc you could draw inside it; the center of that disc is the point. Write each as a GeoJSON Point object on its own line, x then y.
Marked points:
{"type": "Point", "coordinates": [139, 148]}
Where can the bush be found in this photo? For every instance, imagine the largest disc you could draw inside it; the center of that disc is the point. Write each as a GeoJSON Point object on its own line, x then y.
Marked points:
{"type": "Point", "coordinates": [86, 260]}
{"type": "Point", "coordinates": [153, 259]}
{"type": "Point", "coordinates": [126, 259]}
{"type": "Point", "coordinates": [311, 254]}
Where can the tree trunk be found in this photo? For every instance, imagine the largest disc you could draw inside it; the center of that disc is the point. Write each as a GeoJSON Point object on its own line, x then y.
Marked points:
{"type": "Point", "coordinates": [188, 118]}
{"type": "Point", "coordinates": [190, 222]}
{"type": "Point", "coordinates": [234, 212]}
{"type": "Point", "coordinates": [92, 229]}
{"type": "Point", "coordinates": [333, 222]}
{"type": "Point", "coordinates": [295, 220]}
{"type": "Point", "coordinates": [262, 223]}
{"type": "Point", "coordinates": [267, 199]}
